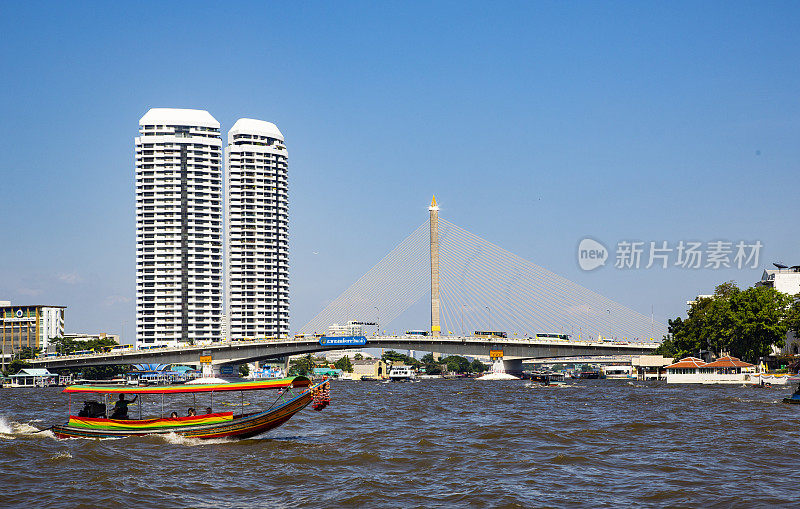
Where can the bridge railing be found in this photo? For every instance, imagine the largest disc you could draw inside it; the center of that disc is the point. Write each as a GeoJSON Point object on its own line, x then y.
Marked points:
{"type": "Point", "coordinates": [408, 338]}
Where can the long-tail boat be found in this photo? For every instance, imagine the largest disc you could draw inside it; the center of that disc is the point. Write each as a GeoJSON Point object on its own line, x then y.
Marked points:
{"type": "Point", "coordinates": [294, 394]}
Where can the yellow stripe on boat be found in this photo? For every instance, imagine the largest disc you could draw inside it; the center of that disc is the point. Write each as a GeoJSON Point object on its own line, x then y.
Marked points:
{"type": "Point", "coordinates": [148, 424]}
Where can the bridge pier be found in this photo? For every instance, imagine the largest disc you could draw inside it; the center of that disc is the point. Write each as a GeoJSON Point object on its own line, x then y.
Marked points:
{"type": "Point", "coordinates": [510, 366]}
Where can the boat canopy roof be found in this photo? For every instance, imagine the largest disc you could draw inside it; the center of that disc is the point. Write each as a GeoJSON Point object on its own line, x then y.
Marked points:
{"type": "Point", "coordinates": [279, 383]}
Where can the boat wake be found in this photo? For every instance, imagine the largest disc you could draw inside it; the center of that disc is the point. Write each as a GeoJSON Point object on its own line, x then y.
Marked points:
{"type": "Point", "coordinates": [532, 385]}
{"type": "Point", "coordinates": [175, 439]}
{"type": "Point", "coordinates": [497, 376]}
{"type": "Point", "coordinates": [10, 430]}
{"type": "Point", "coordinates": [61, 456]}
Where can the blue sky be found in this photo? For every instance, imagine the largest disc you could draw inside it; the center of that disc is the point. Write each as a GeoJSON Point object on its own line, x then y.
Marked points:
{"type": "Point", "coordinates": [535, 124]}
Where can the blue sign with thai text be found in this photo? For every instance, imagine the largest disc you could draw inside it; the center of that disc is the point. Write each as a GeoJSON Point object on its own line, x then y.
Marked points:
{"type": "Point", "coordinates": [343, 340]}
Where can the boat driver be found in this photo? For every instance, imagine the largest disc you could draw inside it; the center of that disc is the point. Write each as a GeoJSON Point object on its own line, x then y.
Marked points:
{"type": "Point", "coordinates": [121, 407]}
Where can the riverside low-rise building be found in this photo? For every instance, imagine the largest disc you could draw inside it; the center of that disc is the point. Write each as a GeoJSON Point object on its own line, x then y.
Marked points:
{"type": "Point", "coordinates": [725, 370]}
{"type": "Point", "coordinates": [650, 367]}
{"type": "Point", "coordinates": [370, 368]}
{"type": "Point", "coordinates": [33, 377]}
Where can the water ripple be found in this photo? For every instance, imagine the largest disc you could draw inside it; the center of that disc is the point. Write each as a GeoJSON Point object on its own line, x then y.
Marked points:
{"type": "Point", "coordinates": [440, 443]}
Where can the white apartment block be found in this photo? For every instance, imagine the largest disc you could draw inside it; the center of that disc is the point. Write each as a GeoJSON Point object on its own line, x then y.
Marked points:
{"type": "Point", "coordinates": [257, 230]}
{"type": "Point", "coordinates": [786, 280]}
{"type": "Point", "coordinates": [178, 227]}
{"type": "Point", "coordinates": [783, 279]}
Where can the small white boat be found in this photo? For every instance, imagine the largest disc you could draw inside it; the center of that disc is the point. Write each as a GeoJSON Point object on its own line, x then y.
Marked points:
{"type": "Point", "coordinates": [774, 379]}
{"type": "Point", "coordinates": [401, 373]}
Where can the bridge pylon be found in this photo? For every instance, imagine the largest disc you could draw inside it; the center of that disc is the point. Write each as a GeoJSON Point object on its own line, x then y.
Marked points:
{"type": "Point", "coordinates": [434, 227]}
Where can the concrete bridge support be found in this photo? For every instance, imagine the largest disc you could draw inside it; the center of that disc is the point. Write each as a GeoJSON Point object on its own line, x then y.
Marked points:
{"type": "Point", "coordinates": [513, 366]}
{"type": "Point", "coordinates": [509, 366]}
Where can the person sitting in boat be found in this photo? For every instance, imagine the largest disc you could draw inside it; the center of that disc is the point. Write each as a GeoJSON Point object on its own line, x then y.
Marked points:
{"type": "Point", "coordinates": [208, 410]}
{"type": "Point", "coordinates": [173, 415]}
{"type": "Point", "coordinates": [121, 407]}
{"type": "Point", "coordinates": [192, 412]}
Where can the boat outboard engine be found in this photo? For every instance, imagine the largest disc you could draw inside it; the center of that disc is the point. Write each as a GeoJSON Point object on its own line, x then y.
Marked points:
{"type": "Point", "coordinates": [92, 409]}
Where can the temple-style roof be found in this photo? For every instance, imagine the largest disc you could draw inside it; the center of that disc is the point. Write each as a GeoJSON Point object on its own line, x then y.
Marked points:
{"type": "Point", "coordinates": [33, 372]}
{"type": "Point", "coordinates": [728, 362]}
{"type": "Point", "coordinates": [688, 362]}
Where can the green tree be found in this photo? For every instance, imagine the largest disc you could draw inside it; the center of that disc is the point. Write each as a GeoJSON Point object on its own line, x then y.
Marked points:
{"type": "Point", "coordinates": [793, 315]}
{"type": "Point", "coordinates": [66, 346]}
{"type": "Point", "coordinates": [304, 366]}
{"type": "Point", "coordinates": [27, 352]}
{"type": "Point", "coordinates": [344, 364]}
{"type": "Point", "coordinates": [99, 345]}
{"type": "Point", "coordinates": [244, 370]}
{"type": "Point", "coordinates": [102, 372]}
{"type": "Point", "coordinates": [745, 323]}
{"type": "Point", "coordinates": [756, 322]}
{"type": "Point", "coordinates": [19, 359]}
{"type": "Point", "coordinates": [457, 364]}
{"type": "Point", "coordinates": [428, 359]}
{"type": "Point", "coordinates": [358, 357]}
{"type": "Point", "coordinates": [433, 369]}
{"type": "Point", "coordinates": [395, 357]}
{"type": "Point", "coordinates": [15, 366]}
{"type": "Point", "coordinates": [478, 367]}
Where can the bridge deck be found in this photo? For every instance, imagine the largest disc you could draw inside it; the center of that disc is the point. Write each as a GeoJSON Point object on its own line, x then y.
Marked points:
{"type": "Point", "coordinates": [249, 351]}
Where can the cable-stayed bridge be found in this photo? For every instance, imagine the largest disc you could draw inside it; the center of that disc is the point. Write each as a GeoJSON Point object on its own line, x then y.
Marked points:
{"type": "Point", "coordinates": [475, 285]}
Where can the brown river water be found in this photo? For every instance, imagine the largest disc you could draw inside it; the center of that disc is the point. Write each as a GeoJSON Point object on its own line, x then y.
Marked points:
{"type": "Point", "coordinates": [434, 443]}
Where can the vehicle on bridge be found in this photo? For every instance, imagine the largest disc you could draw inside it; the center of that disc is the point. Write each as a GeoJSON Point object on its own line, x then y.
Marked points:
{"type": "Point", "coordinates": [114, 349]}
{"type": "Point", "coordinates": [416, 333]}
{"type": "Point", "coordinates": [564, 337]}
{"type": "Point", "coordinates": [151, 347]}
{"type": "Point", "coordinates": [94, 422]}
{"type": "Point", "coordinates": [491, 334]}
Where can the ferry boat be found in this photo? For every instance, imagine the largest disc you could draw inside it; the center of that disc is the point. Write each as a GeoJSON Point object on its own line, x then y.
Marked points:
{"type": "Point", "coordinates": [771, 379]}
{"type": "Point", "coordinates": [94, 421]}
{"type": "Point", "coordinates": [546, 377]}
{"type": "Point", "coordinates": [401, 373]}
{"type": "Point", "coordinates": [794, 399]}
{"type": "Point", "coordinates": [619, 372]}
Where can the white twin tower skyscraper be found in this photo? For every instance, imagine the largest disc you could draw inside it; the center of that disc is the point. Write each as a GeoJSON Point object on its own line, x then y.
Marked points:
{"type": "Point", "coordinates": [197, 281]}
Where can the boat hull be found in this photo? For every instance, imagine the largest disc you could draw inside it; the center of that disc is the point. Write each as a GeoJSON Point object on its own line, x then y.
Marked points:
{"type": "Point", "coordinates": [244, 426]}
